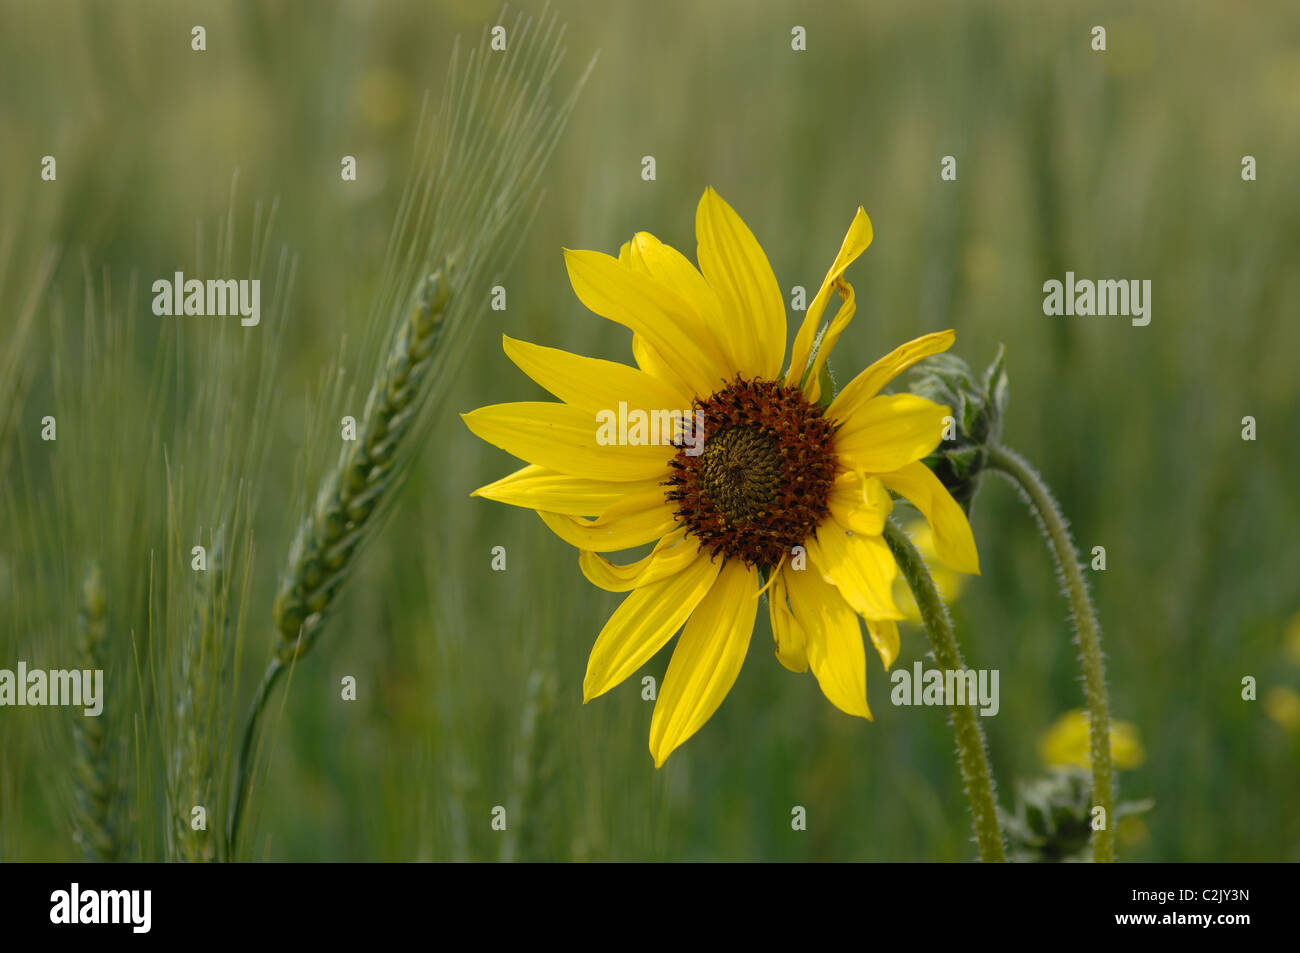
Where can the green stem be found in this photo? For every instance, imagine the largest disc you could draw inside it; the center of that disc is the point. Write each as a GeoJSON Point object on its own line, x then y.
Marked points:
{"type": "Point", "coordinates": [1054, 527]}
{"type": "Point", "coordinates": [971, 754]}
{"type": "Point", "coordinates": [243, 775]}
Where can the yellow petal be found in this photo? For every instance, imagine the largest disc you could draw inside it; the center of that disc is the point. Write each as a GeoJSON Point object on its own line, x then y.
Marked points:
{"type": "Point", "coordinates": [563, 438]}
{"type": "Point", "coordinates": [674, 271]}
{"type": "Point", "coordinates": [707, 659]}
{"type": "Point", "coordinates": [861, 567]}
{"type": "Point", "coordinates": [954, 543]}
{"type": "Point", "coordinates": [591, 384]}
{"type": "Point", "coordinates": [635, 300]}
{"type": "Point", "coordinates": [836, 654]}
{"type": "Point", "coordinates": [789, 634]}
{"type": "Point", "coordinates": [633, 521]}
{"type": "Point", "coordinates": [672, 554]}
{"type": "Point", "coordinates": [648, 359]}
{"type": "Point", "coordinates": [644, 623]}
{"type": "Point", "coordinates": [860, 502]}
{"type": "Point", "coordinates": [538, 488]}
{"type": "Point", "coordinates": [855, 243]}
{"type": "Point", "coordinates": [867, 384]}
{"type": "Point", "coordinates": [889, 432]}
{"type": "Point", "coordinates": [735, 266]}
{"type": "Point", "coordinates": [884, 636]}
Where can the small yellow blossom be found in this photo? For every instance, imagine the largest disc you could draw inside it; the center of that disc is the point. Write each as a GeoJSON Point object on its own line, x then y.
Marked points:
{"type": "Point", "coordinates": [1291, 640]}
{"type": "Point", "coordinates": [1066, 743]}
{"type": "Point", "coordinates": [1283, 706]}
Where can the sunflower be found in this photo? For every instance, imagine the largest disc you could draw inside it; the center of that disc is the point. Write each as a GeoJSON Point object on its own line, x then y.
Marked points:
{"type": "Point", "coordinates": [785, 493]}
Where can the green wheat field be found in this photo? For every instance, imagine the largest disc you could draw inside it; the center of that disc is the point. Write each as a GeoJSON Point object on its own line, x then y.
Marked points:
{"type": "Point", "coordinates": [177, 432]}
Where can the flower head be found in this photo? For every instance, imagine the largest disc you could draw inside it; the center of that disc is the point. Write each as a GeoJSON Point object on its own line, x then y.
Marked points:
{"type": "Point", "coordinates": [759, 485]}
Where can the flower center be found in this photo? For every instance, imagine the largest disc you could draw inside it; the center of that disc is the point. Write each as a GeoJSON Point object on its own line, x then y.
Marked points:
{"type": "Point", "coordinates": [761, 483]}
{"type": "Point", "coordinates": [741, 471]}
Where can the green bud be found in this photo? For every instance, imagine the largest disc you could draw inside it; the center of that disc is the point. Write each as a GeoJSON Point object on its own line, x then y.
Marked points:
{"type": "Point", "coordinates": [1052, 819]}
{"type": "Point", "coordinates": [978, 406]}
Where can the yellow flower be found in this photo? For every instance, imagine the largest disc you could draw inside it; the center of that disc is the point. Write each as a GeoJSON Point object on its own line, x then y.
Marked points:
{"type": "Point", "coordinates": [1066, 743]}
{"type": "Point", "coordinates": [771, 493]}
{"type": "Point", "coordinates": [1291, 640]}
{"type": "Point", "coordinates": [949, 583]}
{"type": "Point", "coordinates": [1282, 704]}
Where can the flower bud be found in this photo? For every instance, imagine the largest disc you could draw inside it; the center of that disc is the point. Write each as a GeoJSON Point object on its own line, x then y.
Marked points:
{"type": "Point", "coordinates": [978, 405]}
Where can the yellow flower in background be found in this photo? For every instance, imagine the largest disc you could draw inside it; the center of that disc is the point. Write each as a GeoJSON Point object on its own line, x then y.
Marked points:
{"type": "Point", "coordinates": [1291, 640]}
{"type": "Point", "coordinates": [1282, 704]}
{"type": "Point", "coordinates": [727, 504]}
{"type": "Point", "coordinates": [1066, 743]}
{"type": "Point", "coordinates": [949, 583]}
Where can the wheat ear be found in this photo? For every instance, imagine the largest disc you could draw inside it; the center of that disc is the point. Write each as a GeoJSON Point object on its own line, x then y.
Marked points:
{"type": "Point", "coordinates": [365, 479]}
{"type": "Point", "coordinates": [95, 791]}
{"type": "Point", "coordinates": [350, 504]}
{"type": "Point", "coordinates": [191, 779]}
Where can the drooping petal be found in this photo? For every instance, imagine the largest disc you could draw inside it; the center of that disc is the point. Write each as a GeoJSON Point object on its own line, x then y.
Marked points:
{"type": "Point", "coordinates": [890, 431]}
{"type": "Point", "coordinates": [884, 636]}
{"type": "Point", "coordinates": [564, 438]}
{"type": "Point", "coordinates": [706, 660]}
{"type": "Point", "coordinates": [860, 502]}
{"type": "Point", "coordinates": [632, 521]}
{"type": "Point", "coordinates": [538, 488]}
{"type": "Point", "coordinates": [836, 654]}
{"type": "Point", "coordinates": [672, 554]}
{"type": "Point", "coordinates": [954, 543]}
{"type": "Point", "coordinates": [855, 243]}
{"type": "Point", "coordinates": [789, 635]}
{"type": "Point", "coordinates": [735, 265]}
{"type": "Point", "coordinates": [867, 384]}
{"type": "Point", "coordinates": [644, 623]}
{"type": "Point", "coordinates": [861, 567]}
{"type": "Point", "coordinates": [635, 300]}
{"type": "Point", "coordinates": [592, 384]}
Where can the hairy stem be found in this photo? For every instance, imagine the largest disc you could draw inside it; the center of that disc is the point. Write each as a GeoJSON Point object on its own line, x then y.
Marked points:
{"type": "Point", "coordinates": [1057, 533]}
{"type": "Point", "coordinates": [969, 736]}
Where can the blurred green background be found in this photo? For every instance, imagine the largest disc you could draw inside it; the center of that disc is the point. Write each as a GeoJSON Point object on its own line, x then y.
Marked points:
{"type": "Point", "coordinates": [1122, 164]}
